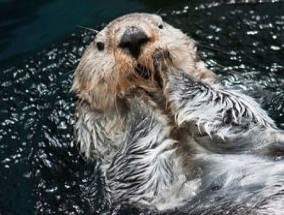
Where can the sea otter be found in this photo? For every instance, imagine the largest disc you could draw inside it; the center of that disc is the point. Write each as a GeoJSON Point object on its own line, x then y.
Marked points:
{"type": "Point", "coordinates": [167, 133]}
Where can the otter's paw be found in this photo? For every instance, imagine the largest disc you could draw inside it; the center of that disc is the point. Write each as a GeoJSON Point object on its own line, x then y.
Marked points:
{"type": "Point", "coordinates": [161, 60]}
{"type": "Point", "coordinates": [162, 64]}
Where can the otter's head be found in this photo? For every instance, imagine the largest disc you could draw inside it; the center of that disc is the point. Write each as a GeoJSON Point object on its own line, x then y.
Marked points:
{"type": "Point", "coordinates": [120, 58]}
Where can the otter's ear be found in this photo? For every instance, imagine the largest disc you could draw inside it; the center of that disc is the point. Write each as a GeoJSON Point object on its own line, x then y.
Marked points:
{"type": "Point", "coordinates": [202, 72]}
{"type": "Point", "coordinates": [205, 74]}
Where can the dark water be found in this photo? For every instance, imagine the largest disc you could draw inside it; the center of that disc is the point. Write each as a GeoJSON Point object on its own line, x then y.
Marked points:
{"type": "Point", "coordinates": [41, 171]}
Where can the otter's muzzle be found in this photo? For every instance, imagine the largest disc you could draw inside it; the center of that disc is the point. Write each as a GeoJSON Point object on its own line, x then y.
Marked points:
{"type": "Point", "coordinates": [132, 40]}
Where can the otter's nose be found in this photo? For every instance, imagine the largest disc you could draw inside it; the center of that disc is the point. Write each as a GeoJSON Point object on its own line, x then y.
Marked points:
{"type": "Point", "coordinates": [132, 39]}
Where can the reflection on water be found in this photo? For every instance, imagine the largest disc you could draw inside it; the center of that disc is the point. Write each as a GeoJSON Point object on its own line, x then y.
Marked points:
{"type": "Point", "coordinates": [41, 171]}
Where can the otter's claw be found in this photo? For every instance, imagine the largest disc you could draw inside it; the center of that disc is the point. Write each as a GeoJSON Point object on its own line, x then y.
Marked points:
{"type": "Point", "coordinates": [161, 59]}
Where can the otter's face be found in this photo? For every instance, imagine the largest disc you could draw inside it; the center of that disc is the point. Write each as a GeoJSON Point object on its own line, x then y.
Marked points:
{"type": "Point", "coordinates": [121, 58]}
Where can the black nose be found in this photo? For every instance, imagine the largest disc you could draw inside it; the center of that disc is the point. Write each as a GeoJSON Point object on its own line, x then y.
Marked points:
{"type": "Point", "coordinates": [132, 39]}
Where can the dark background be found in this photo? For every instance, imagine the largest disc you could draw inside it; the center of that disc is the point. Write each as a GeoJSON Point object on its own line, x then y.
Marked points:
{"type": "Point", "coordinates": [30, 25]}
{"type": "Point", "coordinates": [41, 171]}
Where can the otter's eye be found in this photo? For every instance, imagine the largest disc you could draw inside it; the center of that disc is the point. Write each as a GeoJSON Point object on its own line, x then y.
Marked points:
{"type": "Point", "coordinates": [160, 26]}
{"type": "Point", "coordinates": [100, 46]}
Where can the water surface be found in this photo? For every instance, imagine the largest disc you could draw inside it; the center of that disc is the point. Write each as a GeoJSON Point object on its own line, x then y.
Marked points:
{"type": "Point", "coordinates": [41, 169]}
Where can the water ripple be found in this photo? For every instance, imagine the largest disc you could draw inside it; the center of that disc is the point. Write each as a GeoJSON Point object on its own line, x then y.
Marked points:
{"type": "Point", "coordinates": [41, 169]}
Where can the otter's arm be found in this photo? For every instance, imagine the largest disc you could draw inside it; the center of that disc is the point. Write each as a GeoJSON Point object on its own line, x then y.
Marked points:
{"type": "Point", "coordinates": [218, 117]}
{"type": "Point", "coordinates": [212, 106]}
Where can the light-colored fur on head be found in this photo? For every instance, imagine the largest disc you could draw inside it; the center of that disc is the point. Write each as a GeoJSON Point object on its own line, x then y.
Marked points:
{"type": "Point", "coordinates": [105, 75]}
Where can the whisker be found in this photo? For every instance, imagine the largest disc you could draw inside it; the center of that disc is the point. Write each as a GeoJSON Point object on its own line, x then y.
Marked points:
{"type": "Point", "coordinates": [89, 29]}
{"type": "Point", "coordinates": [70, 71]}
{"type": "Point", "coordinates": [158, 11]}
{"type": "Point", "coordinates": [214, 49]}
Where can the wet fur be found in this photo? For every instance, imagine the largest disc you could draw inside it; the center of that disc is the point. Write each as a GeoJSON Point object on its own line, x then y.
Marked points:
{"type": "Point", "coordinates": [175, 140]}
{"type": "Point", "coordinates": [239, 150]}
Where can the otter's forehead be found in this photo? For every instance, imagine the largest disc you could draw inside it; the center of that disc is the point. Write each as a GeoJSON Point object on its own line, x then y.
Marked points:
{"type": "Point", "coordinates": [134, 19]}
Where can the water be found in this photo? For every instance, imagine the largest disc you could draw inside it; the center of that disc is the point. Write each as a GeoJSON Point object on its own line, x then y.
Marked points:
{"type": "Point", "coordinates": [41, 170]}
